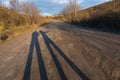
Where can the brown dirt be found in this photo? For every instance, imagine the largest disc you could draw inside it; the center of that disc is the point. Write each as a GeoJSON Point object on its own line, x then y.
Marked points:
{"type": "Point", "coordinates": [60, 51]}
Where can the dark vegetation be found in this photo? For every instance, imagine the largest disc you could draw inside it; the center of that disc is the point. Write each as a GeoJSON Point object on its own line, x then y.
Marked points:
{"type": "Point", "coordinates": [105, 16]}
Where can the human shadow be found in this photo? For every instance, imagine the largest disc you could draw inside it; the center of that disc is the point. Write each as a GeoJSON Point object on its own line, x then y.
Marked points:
{"type": "Point", "coordinates": [42, 71]}
{"type": "Point", "coordinates": [49, 42]}
{"type": "Point", "coordinates": [55, 59]}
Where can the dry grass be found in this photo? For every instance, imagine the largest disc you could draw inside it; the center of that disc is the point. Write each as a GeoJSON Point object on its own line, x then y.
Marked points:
{"type": "Point", "coordinates": [11, 32]}
{"type": "Point", "coordinates": [105, 16]}
{"type": "Point", "coordinates": [13, 24]}
{"type": "Point", "coordinates": [1, 28]}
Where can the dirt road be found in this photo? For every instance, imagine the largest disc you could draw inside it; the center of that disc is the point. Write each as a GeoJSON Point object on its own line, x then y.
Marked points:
{"type": "Point", "coordinates": [60, 51]}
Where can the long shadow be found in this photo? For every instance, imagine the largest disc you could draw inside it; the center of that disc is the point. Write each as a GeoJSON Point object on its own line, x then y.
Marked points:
{"type": "Point", "coordinates": [42, 71]}
{"type": "Point", "coordinates": [55, 59]}
{"type": "Point", "coordinates": [48, 41]}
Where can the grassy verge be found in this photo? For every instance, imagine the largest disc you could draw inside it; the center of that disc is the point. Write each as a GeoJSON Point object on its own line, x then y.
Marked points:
{"type": "Point", "coordinates": [10, 32]}
{"type": "Point", "coordinates": [14, 31]}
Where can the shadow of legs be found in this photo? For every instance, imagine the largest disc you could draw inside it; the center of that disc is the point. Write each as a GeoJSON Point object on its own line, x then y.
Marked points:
{"type": "Point", "coordinates": [56, 61]}
{"type": "Point", "coordinates": [41, 62]}
{"type": "Point", "coordinates": [72, 65]}
{"type": "Point", "coordinates": [42, 70]}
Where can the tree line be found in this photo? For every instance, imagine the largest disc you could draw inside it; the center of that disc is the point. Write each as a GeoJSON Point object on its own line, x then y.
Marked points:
{"type": "Point", "coordinates": [70, 10]}
{"type": "Point", "coordinates": [25, 13]}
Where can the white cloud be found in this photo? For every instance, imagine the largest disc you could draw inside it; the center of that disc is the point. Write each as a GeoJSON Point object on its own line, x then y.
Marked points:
{"type": "Point", "coordinates": [46, 14]}
{"type": "Point", "coordinates": [65, 1]}
{"type": "Point", "coordinates": [60, 1]}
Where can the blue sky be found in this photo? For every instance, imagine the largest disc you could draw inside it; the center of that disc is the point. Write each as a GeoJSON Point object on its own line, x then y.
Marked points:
{"type": "Point", "coordinates": [48, 7]}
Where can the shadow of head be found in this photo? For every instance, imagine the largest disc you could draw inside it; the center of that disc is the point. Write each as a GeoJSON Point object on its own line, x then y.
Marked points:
{"type": "Point", "coordinates": [42, 32]}
{"type": "Point", "coordinates": [35, 34]}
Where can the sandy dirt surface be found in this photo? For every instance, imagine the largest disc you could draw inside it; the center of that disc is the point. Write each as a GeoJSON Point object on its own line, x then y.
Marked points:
{"type": "Point", "coordinates": [60, 51]}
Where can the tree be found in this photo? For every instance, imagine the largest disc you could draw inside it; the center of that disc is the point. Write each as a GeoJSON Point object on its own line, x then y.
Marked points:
{"type": "Point", "coordinates": [15, 5]}
{"type": "Point", "coordinates": [1, 3]}
{"type": "Point", "coordinates": [31, 11]}
{"type": "Point", "coordinates": [74, 7]}
{"type": "Point", "coordinates": [71, 9]}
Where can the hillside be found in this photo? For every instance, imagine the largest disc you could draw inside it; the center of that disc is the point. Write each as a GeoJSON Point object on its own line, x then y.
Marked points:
{"type": "Point", "coordinates": [104, 16]}
{"type": "Point", "coordinates": [13, 23]}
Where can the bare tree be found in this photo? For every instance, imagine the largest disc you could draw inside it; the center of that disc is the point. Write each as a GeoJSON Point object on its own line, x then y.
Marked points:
{"type": "Point", "coordinates": [71, 9]}
{"type": "Point", "coordinates": [74, 6]}
{"type": "Point", "coordinates": [1, 3]}
{"type": "Point", "coordinates": [15, 5]}
{"type": "Point", "coordinates": [31, 11]}
{"type": "Point", "coordinates": [66, 11]}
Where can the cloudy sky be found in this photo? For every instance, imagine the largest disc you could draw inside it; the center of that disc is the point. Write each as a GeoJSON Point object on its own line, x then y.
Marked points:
{"type": "Point", "coordinates": [48, 7]}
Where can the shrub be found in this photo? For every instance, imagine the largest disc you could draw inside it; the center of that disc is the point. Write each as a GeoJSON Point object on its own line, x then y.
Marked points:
{"type": "Point", "coordinates": [105, 16]}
